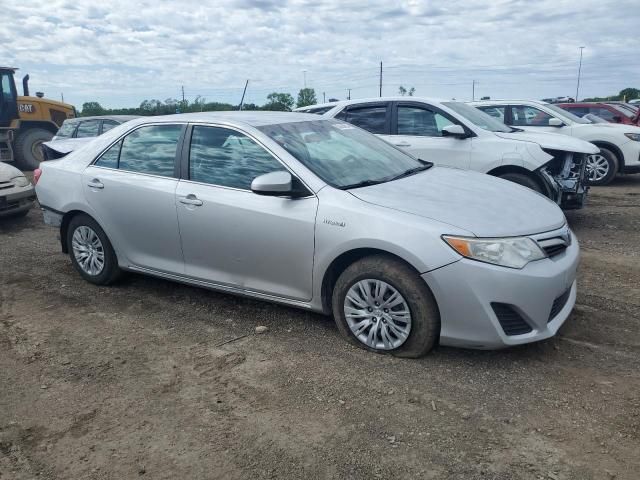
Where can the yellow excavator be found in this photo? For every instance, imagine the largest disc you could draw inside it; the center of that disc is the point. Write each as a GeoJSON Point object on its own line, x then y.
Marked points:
{"type": "Point", "coordinates": [26, 122]}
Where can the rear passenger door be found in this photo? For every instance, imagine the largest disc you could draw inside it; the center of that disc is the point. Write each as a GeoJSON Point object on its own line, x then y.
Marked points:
{"type": "Point", "coordinates": [131, 189]}
{"type": "Point", "coordinates": [417, 128]}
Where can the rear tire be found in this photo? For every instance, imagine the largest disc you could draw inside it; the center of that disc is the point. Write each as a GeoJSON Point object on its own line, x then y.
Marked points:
{"type": "Point", "coordinates": [28, 147]}
{"type": "Point", "coordinates": [394, 276]}
{"type": "Point", "coordinates": [522, 179]}
{"type": "Point", "coordinates": [602, 167]}
{"type": "Point", "coordinates": [91, 252]}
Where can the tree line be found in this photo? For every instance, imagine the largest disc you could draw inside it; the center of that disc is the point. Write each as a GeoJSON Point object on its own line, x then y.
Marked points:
{"type": "Point", "coordinates": [276, 101]}
{"type": "Point", "coordinates": [625, 95]}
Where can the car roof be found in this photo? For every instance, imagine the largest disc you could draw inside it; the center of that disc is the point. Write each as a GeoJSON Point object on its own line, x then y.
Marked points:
{"type": "Point", "coordinates": [508, 102]}
{"type": "Point", "coordinates": [356, 101]}
{"type": "Point", "coordinates": [251, 118]}
{"type": "Point", "coordinates": [121, 118]}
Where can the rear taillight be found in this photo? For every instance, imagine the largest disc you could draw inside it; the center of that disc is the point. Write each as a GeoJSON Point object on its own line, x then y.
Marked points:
{"type": "Point", "coordinates": [36, 175]}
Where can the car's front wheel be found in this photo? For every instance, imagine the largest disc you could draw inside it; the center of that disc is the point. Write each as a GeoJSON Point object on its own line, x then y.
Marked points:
{"type": "Point", "coordinates": [601, 167]}
{"type": "Point", "coordinates": [91, 252]}
{"type": "Point", "coordinates": [381, 304]}
{"type": "Point", "coordinates": [522, 179]}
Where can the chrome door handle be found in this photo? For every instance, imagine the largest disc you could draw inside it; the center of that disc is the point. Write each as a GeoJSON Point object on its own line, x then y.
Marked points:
{"type": "Point", "coordinates": [402, 144]}
{"type": "Point", "coordinates": [191, 199]}
{"type": "Point", "coordinates": [95, 183]}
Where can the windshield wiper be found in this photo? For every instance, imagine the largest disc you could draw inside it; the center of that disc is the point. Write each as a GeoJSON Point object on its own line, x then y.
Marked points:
{"type": "Point", "coordinates": [425, 166]}
{"type": "Point", "coordinates": [364, 183]}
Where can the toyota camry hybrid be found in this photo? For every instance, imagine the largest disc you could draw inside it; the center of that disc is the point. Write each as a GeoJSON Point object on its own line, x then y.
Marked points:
{"type": "Point", "coordinates": [319, 214]}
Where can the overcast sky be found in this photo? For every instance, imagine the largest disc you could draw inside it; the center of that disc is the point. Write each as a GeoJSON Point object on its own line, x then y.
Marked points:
{"type": "Point", "coordinates": [120, 52]}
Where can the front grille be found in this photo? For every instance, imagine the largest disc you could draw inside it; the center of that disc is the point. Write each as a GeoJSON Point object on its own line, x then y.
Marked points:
{"type": "Point", "coordinates": [5, 185]}
{"type": "Point", "coordinates": [555, 245]}
{"type": "Point", "coordinates": [553, 250]}
{"type": "Point", "coordinates": [510, 320]}
{"type": "Point", "coordinates": [558, 304]}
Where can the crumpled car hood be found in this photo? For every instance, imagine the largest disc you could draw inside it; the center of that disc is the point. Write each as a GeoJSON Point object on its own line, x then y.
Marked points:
{"type": "Point", "coordinates": [552, 141]}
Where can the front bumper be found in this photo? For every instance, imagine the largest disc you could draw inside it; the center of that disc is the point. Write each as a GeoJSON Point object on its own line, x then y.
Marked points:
{"type": "Point", "coordinates": [543, 294]}
{"type": "Point", "coordinates": [568, 186]}
{"type": "Point", "coordinates": [16, 200]}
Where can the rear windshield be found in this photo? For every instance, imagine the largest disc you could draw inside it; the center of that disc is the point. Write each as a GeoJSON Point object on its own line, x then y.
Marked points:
{"type": "Point", "coordinates": [66, 130]}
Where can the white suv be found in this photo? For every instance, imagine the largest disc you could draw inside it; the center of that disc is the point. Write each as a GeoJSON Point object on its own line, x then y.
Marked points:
{"type": "Point", "coordinates": [457, 135]}
{"type": "Point", "coordinates": [619, 144]}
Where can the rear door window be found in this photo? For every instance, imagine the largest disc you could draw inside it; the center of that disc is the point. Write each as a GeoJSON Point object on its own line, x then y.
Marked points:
{"type": "Point", "coordinates": [526, 116]}
{"type": "Point", "coordinates": [150, 150]}
{"type": "Point", "coordinates": [108, 125]}
{"type": "Point", "coordinates": [88, 128]}
{"type": "Point", "coordinates": [372, 118]}
{"type": "Point", "coordinates": [66, 130]}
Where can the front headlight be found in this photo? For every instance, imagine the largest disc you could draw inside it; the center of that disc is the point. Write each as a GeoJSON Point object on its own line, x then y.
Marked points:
{"type": "Point", "coordinates": [514, 252]}
{"type": "Point", "coordinates": [21, 181]}
{"type": "Point", "coordinates": [633, 136]}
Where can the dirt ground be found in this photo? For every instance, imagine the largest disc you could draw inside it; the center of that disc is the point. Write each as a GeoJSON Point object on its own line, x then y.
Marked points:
{"type": "Point", "coordinates": [131, 381]}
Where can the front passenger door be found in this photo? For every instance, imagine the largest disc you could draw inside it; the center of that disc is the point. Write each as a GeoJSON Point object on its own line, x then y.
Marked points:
{"type": "Point", "coordinates": [417, 129]}
{"type": "Point", "coordinates": [234, 237]}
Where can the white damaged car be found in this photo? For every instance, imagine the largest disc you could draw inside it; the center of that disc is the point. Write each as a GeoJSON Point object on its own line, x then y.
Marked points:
{"type": "Point", "coordinates": [454, 134]}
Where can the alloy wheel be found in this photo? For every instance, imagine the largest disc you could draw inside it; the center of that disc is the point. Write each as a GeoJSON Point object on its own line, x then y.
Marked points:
{"type": "Point", "coordinates": [88, 250]}
{"type": "Point", "coordinates": [377, 314]}
{"type": "Point", "coordinates": [597, 167]}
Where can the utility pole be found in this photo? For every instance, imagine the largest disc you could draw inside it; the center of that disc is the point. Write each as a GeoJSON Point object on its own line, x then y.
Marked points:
{"type": "Point", "coordinates": [381, 79]}
{"type": "Point", "coordinates": [579, 71]}
{"type": "Point", "coordinates": [473, 91]}
{"type": "Point", "coordinates": [349, 95]}
{"type": "Point", "coordinates": [182, 94]}
{"type": "Point", "coordinates": [324, 97]}
{"type": "Point", "coordinates": [243, 92]}
{"type": "Point", "coordinates": [304, 73]}
{"type": "Point", "coordinates": [62, 97]}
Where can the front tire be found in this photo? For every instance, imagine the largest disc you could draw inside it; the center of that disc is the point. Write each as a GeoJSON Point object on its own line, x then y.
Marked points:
{"type": "Point", "coordinates": [91, 252]}
{"type": "Point", "coordinates": [382, 305]}
{"type": "Point", "coordinates": [602, 167]}
{"type": "Point", "coordinates": [28, 147]}
{"type": "Point", "coordinates": [524, 180]}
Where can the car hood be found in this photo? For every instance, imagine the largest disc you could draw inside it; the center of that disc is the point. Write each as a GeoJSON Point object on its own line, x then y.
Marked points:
{"type": "Point", "coordinates": [552, 141]}
{"type": "Point", "coordinates": [7, 172]}
{"type": "Point", "coordinates": [481, 204]}
{"type": "Point", "coordinates": [68, 145]}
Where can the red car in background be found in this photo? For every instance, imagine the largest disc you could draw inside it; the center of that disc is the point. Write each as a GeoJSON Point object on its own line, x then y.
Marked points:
{"type": "Point", "coordinates": [611, 112]}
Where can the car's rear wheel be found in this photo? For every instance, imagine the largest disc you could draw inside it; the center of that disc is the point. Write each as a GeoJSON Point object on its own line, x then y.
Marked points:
{"type": "Point", "coordinates": [382, 305]}
{"type": "Point", "coordinates": [601, 167]}
{"type": "Point", "coordinates": [522, 179]}
{"type": "Point", "coordinates": [91, 252]}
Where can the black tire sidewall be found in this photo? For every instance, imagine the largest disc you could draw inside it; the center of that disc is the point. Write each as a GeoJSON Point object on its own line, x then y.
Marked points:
{"type": "Point", "coordinates": [612, 160]}
{"type": "Point", "coordinates": [522, 179]}
{"type": "Point", "coordinates": [425, 318]}
{"type": "Point", "coordinates": [110, 270]}
{"type": "Point", "coordinates": [24, 157]}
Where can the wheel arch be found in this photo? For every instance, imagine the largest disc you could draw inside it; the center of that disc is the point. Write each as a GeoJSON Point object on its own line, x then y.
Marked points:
{"type": "Point", "coordinates": [343, 261]}
{"type": "Point", "coordinates": [614, 149]}
{"type": "Point", "coordinates": [502, 169]}
{"type": "Point", "coordinates": [64, 226]}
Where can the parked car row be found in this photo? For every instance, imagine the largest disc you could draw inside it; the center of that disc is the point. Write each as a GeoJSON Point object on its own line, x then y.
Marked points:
{"type": "Point", "coordinates": [619, 144]}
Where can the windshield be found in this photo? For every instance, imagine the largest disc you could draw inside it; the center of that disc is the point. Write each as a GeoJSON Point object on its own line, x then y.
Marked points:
{"type": "Point", "coordinates": [567, 115]}
{"type": "Point", "coordinates": [341, 154]}
{"type": "Point", "coordinates": [478, 117]}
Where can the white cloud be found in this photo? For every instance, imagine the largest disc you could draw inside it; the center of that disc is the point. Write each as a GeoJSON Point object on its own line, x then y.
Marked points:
{"type": "Point", "coordinates": [120, 52]}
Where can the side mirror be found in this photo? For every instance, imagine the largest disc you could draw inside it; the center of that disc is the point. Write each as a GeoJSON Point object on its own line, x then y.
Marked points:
{"type": "Point", "coordinates": [278, 184]}
{"type": "Point", "coordinates": [457, 131]}
{"type": "Point", "coordinates": [555, 122]}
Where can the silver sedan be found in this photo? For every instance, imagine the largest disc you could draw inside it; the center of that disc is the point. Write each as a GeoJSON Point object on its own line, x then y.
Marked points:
{"type": "Point", "coordinates": [317, 214]}
{"type": "Point", "coordinates": [17, 194]}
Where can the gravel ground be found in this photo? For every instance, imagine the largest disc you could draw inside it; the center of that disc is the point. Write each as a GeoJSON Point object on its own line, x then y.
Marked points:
{"type": "Point", "coordinates": [132, 381]}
